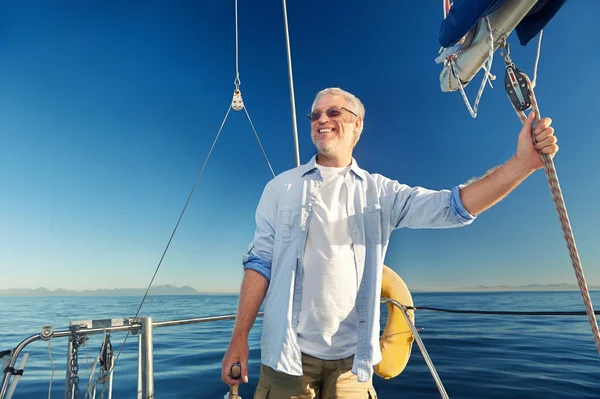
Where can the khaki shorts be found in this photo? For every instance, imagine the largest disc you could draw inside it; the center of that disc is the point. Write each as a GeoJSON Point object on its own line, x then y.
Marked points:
{"type": "Point", "coordinates": [322, 379]}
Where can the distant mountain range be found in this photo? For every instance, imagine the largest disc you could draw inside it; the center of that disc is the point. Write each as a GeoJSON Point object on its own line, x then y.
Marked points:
{"type": "Point", "coordinates": [529, 287]}
{"type": "Point", "coordinates": [187, 290]}
{"type": "Point", "coordinates": [156, 290]}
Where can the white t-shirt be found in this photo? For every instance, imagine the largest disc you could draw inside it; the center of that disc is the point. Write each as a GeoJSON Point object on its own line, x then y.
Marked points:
{"type": "Point", "coordinates": [327, 328]}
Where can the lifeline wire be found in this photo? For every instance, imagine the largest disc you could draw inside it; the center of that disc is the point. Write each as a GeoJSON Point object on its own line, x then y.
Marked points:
{"type": "Point", "coordinates": [502, 312]}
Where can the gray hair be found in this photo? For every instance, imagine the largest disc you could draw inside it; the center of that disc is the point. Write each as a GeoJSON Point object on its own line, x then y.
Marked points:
{"type": "Point", "coordinates": [355, 104]}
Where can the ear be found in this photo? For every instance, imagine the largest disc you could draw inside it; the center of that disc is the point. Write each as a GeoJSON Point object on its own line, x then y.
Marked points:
{"type": "Point", "coordinates": [356, 137]}
{"type": "Point", "coordinates": [357, 128]}
{"type": "Point", "coordinates": [358, 124]}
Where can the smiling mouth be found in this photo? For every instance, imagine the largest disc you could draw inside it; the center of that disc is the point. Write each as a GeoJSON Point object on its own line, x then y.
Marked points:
{"type": "Point", "coordinates": [328, 130]}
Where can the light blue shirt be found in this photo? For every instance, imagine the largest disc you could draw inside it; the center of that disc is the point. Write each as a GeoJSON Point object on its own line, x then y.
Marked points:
{"type": "Point", "coordinates": [376, 206]}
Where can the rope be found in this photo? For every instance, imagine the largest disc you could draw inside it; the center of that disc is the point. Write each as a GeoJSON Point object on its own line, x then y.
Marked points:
{"type": "Point", "coordinates": [259, 143]}
{"type": "Point", "coordinates": [93, 382]}
{"type": "Point", "coordinates": [563, 217]}
{"type": "Point", "coordinates": [500, 312]}
{"type": "Point", "coordinates": [386, 336]}
{"type": "Point", "coordinates": [291, 79]}
{"type": "Point", "coordinates": [52, 364]}
{"type": "Point", "coordinates": [173, 233]}
{"type": "Point", "coordinates": [487, 74]}
{"type": "Point", "coordinates": [537, 59]}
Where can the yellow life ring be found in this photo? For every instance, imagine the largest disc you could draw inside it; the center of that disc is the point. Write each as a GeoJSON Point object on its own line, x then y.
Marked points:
{"type": "Point", "coordinates": [397, 338]}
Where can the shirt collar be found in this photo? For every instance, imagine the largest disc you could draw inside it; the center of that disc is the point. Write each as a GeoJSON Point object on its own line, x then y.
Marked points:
{"type": "Point", "coordinates": [311, 167]}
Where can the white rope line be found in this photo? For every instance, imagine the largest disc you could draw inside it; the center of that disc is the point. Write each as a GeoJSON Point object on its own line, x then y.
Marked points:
{"type": "Point", "coordinates": [486, 77]}
{"type": "Point", "coordinates": [52, 364]}
{"type": "Point", "coordinates": [259, 143]}
{"type": "Point", "coordinates": [537, 59]}
{"type": "Point", "coordinates": [93, 382]}
{"type": "Point", "coordinates": [383, 337]}
{"type": "Point", "coordinates": [91, 392]}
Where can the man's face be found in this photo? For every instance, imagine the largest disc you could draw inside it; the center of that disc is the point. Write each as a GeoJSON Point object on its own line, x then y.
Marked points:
{"type": "Point", "coordinates": [334, 135]}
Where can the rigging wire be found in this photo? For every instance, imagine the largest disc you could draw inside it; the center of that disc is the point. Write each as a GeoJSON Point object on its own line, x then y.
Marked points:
{"type": "Point", "coordinates": [259, 142]}
{"type": "Point", "coordinates": [236, 104]}
{"type": "Point", "coordinates": [173, 232]}
{"type": "Point", "coordinates": [291, 80]}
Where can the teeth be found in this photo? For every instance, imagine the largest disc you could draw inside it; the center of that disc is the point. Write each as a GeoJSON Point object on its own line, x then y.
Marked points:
{"type": "Point", "coordinates": [324, 130]}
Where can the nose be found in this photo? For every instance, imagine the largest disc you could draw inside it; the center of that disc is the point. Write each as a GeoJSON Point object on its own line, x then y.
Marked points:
{"type": "Point", "coordinates": [323, 118]}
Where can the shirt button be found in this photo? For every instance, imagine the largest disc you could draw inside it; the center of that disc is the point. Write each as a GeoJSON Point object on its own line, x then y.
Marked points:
{"type": "Point", "coordinates": [295, 317]}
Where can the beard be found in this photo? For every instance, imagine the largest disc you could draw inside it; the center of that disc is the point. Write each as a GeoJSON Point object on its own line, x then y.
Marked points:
{"type": "Point", "coordinates": [327, 147]}
{"type": "Point", "coordinates": [334, 145]}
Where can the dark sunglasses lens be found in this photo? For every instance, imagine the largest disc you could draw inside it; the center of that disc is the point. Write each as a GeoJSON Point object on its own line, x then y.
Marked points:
{"type": "Point", "coordinates": [333, 112]}
{"type": "Point", "coordinates": [313, 116]}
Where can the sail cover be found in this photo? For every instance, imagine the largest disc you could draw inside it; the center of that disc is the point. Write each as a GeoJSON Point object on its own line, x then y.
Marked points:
{"type": "Point", "coordinates": [464, 15]}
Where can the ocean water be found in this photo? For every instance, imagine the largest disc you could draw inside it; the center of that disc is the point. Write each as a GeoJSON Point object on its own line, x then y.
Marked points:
{"type": "Point", "coordinates": [476, 356]}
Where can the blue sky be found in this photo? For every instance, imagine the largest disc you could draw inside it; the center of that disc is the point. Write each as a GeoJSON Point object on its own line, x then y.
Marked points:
{"type": "Point", "coordinates": [108, 111]}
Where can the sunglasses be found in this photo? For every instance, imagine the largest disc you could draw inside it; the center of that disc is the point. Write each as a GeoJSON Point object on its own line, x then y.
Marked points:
{"type": "Point", "coordinates": [332, 112]}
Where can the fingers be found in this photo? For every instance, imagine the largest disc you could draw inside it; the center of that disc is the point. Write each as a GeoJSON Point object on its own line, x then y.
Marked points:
{"type": "Point", "coordinates": [551, 149]}
{"type": "Point", "coordinates": [225, 375]}
{"type": "Point", "coordinates": [545, 140]}
{"type": "Point", "coordinates": [237, 352]}
{"type": "Point", "coordinates": [528, 125]}
{"type": "Point", "coordinates": [543, 129]}
{"type": "Point", "coordinates": [550, 140]}
{"type": "Point", "coordinates": [544, 123]}
{"type": "Point", "coordinates": [547, 145]}
{"type": "Point", "coordinates": [228, 361]}
{"type": "Point", "coordinates": [244, 370]}
{"type": "Point", "coordinates": [226, 370]}
{"type": "Point", "coordinates": [544, 134]}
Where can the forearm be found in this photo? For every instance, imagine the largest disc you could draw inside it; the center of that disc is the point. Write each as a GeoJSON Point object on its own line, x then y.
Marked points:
{"type": "Point", "coordinates": [252, 293]}
{"type": "Point", "coordinates": [487, 191]}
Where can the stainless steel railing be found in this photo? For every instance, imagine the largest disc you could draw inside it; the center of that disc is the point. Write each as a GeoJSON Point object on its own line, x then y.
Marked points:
{"type": "Point", "coordinates": [143, 327]}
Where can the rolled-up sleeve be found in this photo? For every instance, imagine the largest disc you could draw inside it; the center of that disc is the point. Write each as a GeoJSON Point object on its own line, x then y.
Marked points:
{"type": "Point", "coordinates": [457, 207]}
{"type": "Point", "coordinates": [418, 207]}
{"type": "Point", "coordinates": [260, 253]}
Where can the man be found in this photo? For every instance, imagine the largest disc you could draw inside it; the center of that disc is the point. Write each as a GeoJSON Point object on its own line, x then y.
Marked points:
{"type": "Point", "coordinates": [322, 231]}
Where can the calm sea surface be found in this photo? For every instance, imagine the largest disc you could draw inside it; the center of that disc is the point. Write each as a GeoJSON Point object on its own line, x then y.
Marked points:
{"type": "Point", "coordinates": [476, 356]}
